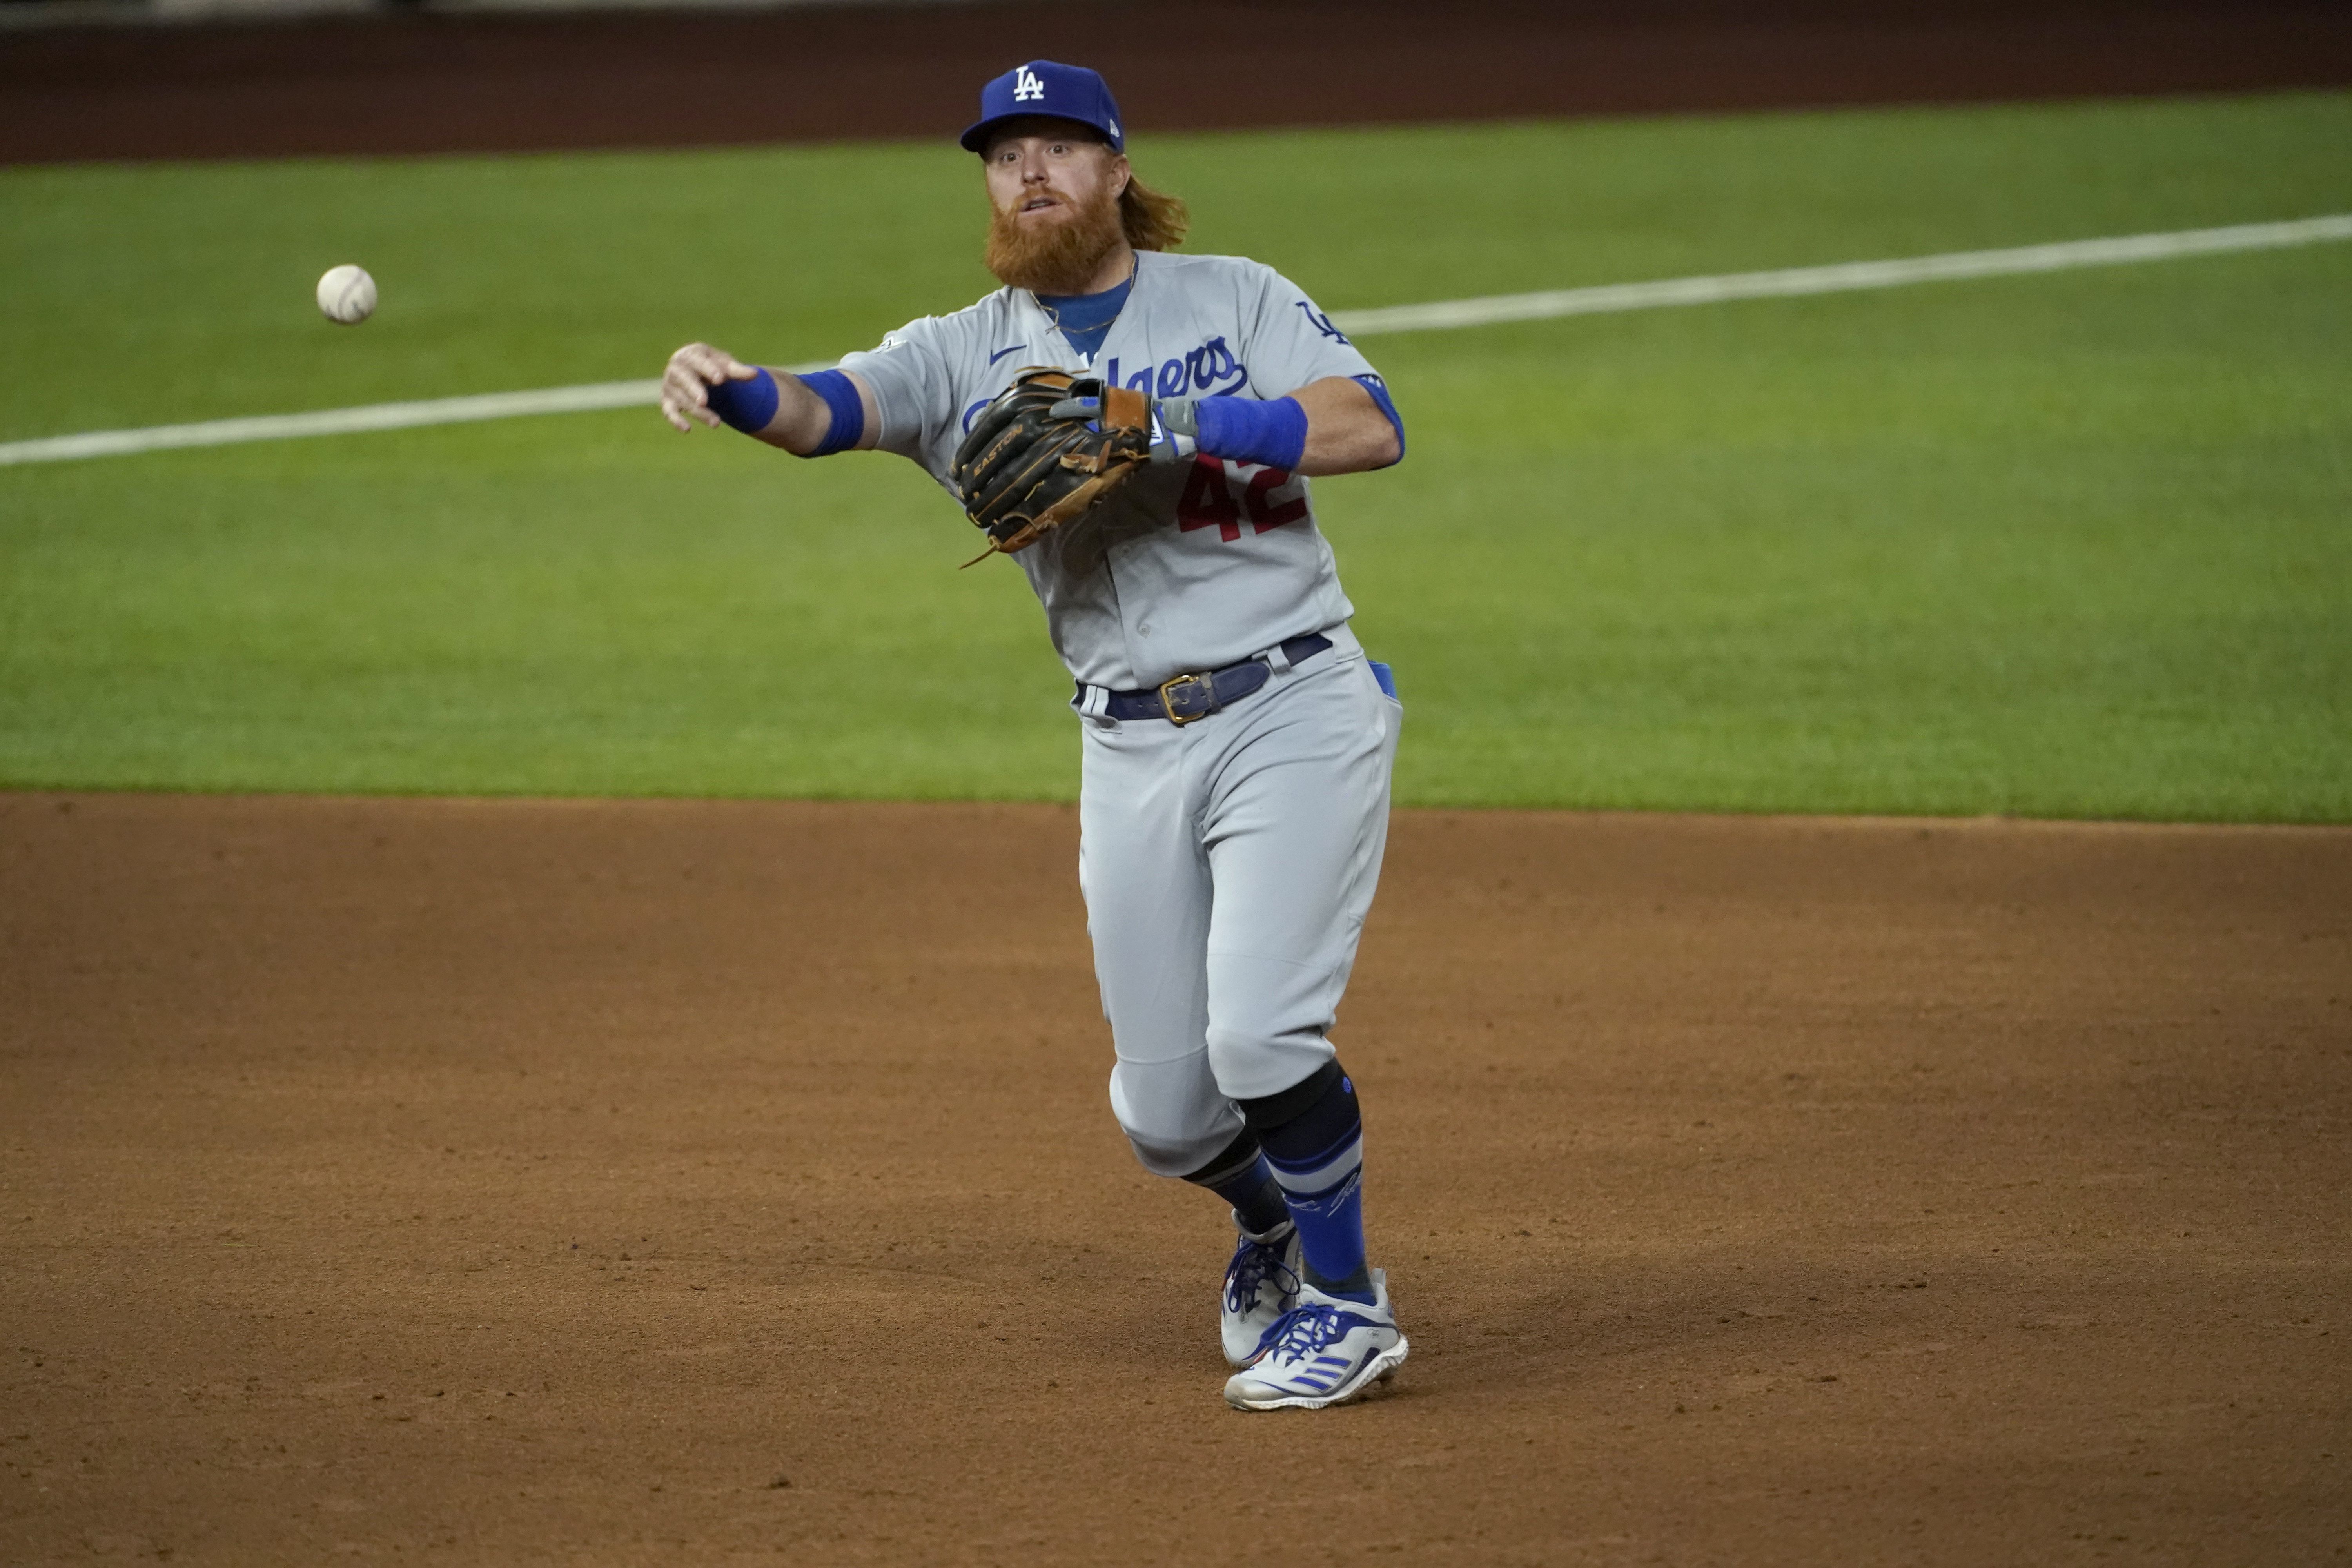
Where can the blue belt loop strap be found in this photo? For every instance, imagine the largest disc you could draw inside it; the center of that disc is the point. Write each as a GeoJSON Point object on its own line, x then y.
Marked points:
{"type": "Point", "coordinates": [1190, 697]}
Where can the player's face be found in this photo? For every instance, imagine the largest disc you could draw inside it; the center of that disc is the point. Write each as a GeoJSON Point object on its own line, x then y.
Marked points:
{"type": "Point", "coordinates": [1039, 173]}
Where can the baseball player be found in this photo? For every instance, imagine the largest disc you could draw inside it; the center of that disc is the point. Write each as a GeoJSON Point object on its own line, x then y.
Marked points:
{"type": "Point", "coordinates": [1237, 742]}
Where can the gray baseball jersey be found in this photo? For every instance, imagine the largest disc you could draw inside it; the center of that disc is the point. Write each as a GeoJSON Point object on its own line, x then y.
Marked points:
{"type": "Point", "coordinates": [1187, 567]}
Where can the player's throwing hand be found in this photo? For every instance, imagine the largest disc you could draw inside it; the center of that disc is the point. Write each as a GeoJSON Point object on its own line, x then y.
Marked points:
{"type": "Point", "coordinates": [693, 371]}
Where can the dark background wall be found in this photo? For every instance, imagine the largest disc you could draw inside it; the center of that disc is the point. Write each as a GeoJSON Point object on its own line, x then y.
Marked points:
{"type": "Point", "coordinates": [419, 82]}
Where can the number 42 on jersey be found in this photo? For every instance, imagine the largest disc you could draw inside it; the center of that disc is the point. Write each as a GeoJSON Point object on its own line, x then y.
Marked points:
{"type": "Point", "coordinates": [1225, 495]}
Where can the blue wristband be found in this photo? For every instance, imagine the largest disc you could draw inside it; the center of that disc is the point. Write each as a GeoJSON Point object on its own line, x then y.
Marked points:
{"type": "Point", "coordinates": [840, 394]}
{"type": "Point", "coordinates": [1249, 431]}
{"type": "Point", "coordinates": [746, 405]}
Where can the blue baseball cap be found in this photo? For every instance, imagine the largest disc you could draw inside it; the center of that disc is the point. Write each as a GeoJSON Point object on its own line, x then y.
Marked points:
{"type": "Point", "coordinates": [1044, 87]}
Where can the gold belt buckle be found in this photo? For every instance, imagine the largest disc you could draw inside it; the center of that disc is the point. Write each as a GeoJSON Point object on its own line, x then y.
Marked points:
{"type": "Point", "coordinates": [1167, 705]}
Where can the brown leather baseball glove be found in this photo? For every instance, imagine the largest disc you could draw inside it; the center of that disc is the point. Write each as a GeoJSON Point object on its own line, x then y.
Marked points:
{"type": "Point", "coordinates": [1046, 450]}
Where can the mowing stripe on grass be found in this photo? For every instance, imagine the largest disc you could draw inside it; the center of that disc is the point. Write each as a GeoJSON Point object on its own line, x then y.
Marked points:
{"type": "Point", "coordinates": [1781, 283]}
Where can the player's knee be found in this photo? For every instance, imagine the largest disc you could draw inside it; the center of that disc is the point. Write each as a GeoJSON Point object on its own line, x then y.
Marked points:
{"type": "Point", "coordinates": [1253, 1064]}
{"type": "Point", "coordinates": [1173, 1114]}
{"type": "Point", "coordinates": [1174, 1157]}
{"type": "Point", "coordinates": [1270, 1113]}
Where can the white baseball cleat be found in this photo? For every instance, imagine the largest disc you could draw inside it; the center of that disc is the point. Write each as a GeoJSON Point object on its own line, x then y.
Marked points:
{"type": "Point", "coordinates": [1261, 1284]}
{"type": "Point", "coordinates": [1325, 1350]}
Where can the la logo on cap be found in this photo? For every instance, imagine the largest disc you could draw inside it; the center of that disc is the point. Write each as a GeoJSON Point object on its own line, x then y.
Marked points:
{"type": "Point", "coordinates": [1041, 88]}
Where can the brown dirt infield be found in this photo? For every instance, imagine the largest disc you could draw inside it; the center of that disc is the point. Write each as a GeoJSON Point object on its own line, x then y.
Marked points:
{"type": "Point", "coordinates": [512, 1182]}
{"type": "Point", "coordinates": [452, 83]}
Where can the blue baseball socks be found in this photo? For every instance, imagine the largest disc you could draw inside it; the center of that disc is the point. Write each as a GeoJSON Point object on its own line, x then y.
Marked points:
{"type": "Point", "coordinates": [1240, 1176]}
{"type": "Point", "coordinates": [1313, 1135]}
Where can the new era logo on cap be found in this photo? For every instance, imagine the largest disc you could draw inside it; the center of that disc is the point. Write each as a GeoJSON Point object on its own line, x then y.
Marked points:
{"type": "Point", "coordinates": [1047, 86]}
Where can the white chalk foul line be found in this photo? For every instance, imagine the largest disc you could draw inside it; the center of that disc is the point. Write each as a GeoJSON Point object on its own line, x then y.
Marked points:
{"type": "Point", "coordinates": [1782, 283]}
{"type": "Point", "coordinates": [343, 421]}
{"type": "Point", "coordinates": [334, 421]}
{"type": "Point", "coordinates": [1842, 278]}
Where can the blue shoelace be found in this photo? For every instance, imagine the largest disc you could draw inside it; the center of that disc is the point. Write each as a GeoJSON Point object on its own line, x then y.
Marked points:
{"type": "Point", "coordinates": [1306, 1329]}
{"type": "Point", "coordinates": [1255, 1263]}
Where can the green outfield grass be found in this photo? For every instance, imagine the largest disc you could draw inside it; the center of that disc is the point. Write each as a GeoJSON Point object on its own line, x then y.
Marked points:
{"type": "Point", "coordinates": [2068, 545]}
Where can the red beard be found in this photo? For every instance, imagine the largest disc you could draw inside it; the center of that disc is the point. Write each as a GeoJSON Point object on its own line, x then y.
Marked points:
{"type": "Point", "coordinates": [1055, 258]}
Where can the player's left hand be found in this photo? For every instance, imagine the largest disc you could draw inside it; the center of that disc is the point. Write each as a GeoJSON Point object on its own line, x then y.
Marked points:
{"type": "Point", "coordinates": [1173, 422]}
{"type": "Point", "coordinates": [693, 371]}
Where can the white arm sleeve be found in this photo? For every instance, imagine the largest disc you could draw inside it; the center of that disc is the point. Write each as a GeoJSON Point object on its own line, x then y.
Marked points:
{"type": "Point", "coordinates": [914, 386]}
{"type": "Point", "coordinates": [1292, 343]}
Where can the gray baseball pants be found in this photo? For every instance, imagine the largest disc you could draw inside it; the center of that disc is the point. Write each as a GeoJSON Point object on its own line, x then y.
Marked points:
{"type": "Point", "coordinates": [1228, 864]}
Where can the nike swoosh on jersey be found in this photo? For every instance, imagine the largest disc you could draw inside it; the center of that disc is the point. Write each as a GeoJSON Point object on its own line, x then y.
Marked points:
{"type": "Point", "coordinates": [1002, 353]}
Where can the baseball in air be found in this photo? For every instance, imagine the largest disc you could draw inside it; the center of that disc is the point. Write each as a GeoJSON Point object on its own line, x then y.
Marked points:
{"type": "Point", "coordinates": [347, 295]}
